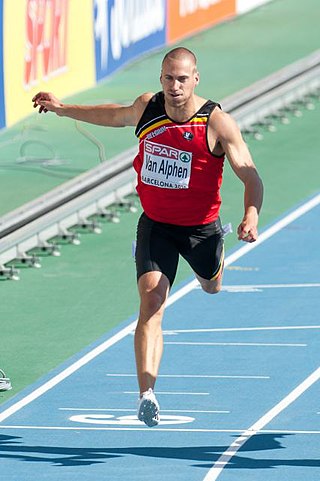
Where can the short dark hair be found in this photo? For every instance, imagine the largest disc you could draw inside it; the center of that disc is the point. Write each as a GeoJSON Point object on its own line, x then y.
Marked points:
{"type": "Point", "coordinates": [179, 53]}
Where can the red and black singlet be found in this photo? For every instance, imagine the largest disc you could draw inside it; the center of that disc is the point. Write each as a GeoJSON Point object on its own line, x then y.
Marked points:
{"type": "Point", "coordinates": [179, 178]}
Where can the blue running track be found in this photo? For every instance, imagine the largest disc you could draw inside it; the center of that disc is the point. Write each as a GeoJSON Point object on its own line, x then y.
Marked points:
{"type": "Point", "coordinates": [238, 388]}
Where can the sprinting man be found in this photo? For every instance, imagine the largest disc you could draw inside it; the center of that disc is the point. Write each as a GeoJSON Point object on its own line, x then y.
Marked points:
{"type": "Point", "coordinates": [183, 140]}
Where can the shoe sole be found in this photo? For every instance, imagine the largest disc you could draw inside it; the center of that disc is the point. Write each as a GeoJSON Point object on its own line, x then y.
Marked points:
{"type": "Point", "coordinates": [149, 413]}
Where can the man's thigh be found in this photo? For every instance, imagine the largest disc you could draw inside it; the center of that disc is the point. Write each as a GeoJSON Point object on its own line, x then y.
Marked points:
{"type": "Point", "coordinates": [205, 252]}
{"type": "Point", "coordinates": [155, 249]}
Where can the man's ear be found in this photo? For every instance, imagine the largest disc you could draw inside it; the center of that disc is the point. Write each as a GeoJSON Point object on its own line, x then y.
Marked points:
{"type": "Point", "coordinates": [197, 78]}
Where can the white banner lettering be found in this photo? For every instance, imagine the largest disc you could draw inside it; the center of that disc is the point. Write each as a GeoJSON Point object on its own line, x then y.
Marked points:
{"type": "Point", "coordinates": [166, 167]}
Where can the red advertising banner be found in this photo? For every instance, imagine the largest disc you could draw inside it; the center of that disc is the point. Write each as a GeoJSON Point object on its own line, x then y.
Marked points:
{"type": "Point", "coordinates": [46, 39]}
{"type": "Point", "coordinates": [186, 17]}
{"type": "Point", "coordinates": [47, 45]}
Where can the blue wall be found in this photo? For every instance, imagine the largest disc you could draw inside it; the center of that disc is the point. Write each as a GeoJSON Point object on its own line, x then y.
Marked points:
{"type": "Point", "coordinates": [122, 35]}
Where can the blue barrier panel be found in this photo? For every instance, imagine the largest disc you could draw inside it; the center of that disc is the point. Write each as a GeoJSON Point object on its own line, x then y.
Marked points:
{"type": "Point", "coordinates": [125, 29]}
{"type": "Point", "coordinates": [2, 106]}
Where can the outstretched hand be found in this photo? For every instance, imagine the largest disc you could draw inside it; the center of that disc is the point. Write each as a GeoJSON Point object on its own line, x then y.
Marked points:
{"type": "Point", "coordinates": [46, 101]}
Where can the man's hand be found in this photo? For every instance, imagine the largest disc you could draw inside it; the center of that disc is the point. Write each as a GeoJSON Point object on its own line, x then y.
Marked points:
{"type": "Point", "coordinates": [46, 101]}
{"type": "Point", "coordinates": [247, 230]}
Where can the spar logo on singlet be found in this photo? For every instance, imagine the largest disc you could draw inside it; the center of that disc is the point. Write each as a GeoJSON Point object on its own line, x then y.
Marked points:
{"type": "Point", "coordinates": [166, 167]}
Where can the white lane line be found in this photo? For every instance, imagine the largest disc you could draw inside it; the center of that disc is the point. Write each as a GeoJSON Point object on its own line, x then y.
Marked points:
{"type": "Point", "coordinates": [194, 411]}
{"type": "Point", "coordinates": [224, 459]}
{"type": "Point", "coordinates": [195, 376]}
{"type": "Point", "coordinates": [240, 329]}
{"type": "Point", "coordinates": [173, 393]}
{"type": "Point", "coordinates": [154, 430]}
{"type": "Point", "coordinates": [269, 286]}
{"type": "Point", "coordinates": [288, 219]}
{"type": "Point", "coordinates": [134, 410]}
{"type": "Point", "coordinates": [99, 409]}
{"type": "Point", "coordinates": [264, 344]}
{"type": "Point", "coordinates": [252, 288]}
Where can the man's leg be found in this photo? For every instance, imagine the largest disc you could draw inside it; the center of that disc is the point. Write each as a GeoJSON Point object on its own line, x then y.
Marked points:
{"type": "Point", "coordinates": [206, 256]}
{"type": "Point", "coordinates": [156, 262]}
{"type": "Point", "coordinates": [153, 289]}
{"type": "Point", "coordinates": [211, 286]}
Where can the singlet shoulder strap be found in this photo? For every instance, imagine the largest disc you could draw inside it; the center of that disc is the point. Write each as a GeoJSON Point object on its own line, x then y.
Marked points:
{"type": "Point", "coordinates": [154, 112]}
{"type": "Point", "coordinates": [207, 108]}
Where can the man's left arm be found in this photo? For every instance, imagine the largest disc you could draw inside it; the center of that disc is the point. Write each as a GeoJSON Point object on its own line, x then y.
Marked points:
{"type": "Point", "coordinates": [237, 152]}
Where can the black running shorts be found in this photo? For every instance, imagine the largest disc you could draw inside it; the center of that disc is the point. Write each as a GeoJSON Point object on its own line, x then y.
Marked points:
{"type": "Point", "coordinates": [159, 245]}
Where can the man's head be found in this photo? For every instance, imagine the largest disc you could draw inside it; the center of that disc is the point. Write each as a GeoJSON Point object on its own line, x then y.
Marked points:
{"type": "Point", "coordinates": [179, 76]}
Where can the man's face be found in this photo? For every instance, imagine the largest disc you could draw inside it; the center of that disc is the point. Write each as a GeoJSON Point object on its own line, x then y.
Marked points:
{"type": "Point", "coordinates": [178, 79]}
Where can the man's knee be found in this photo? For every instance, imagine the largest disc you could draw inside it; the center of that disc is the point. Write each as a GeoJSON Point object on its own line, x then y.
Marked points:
{"type": "Point", "coordinates": [152, 301]}
{"type": "Point", "coordinates": [211, 288]}
{"type": "Point", "coordinates": [153, 289]}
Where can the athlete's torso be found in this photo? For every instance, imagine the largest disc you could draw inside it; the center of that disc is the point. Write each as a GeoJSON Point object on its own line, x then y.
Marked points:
{"type": "Point", "coordinates": [179, 178]}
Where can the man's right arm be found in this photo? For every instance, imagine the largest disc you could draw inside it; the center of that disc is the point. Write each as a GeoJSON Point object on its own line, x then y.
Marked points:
{"type": "Point", "coordinates": [109, 115]}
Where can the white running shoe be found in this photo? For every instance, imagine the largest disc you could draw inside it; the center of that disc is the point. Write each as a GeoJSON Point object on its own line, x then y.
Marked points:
{"type": "Point", "coordinates": [148, 409]}
{"type": "Point", "coordinates": [5, 384]}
